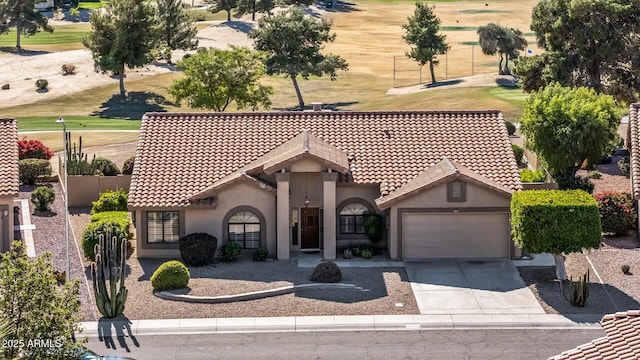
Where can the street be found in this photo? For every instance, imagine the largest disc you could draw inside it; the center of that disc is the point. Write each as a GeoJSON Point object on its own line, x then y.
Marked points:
{"type": "Point", "coordinates": [403, 344]}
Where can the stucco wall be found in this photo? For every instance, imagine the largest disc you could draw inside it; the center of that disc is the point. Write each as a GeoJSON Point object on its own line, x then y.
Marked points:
{"type": "Point", "coordinates": [365, 192]}
{"type": "Point", "coordinates": [85, 189]}
{"type": "Point", "coordinates": [6, 223]}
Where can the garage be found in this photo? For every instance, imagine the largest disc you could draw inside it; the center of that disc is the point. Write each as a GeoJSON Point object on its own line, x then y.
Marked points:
{"type": "Point", "coordinates": [455, 235]}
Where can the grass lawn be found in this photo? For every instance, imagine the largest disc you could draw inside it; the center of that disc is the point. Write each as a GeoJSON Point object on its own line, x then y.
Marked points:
{"type": "Point", "coordinates": [90, 5]}
{"type": "Point", "coordinates": [76, 123]}
{"type": "Point", "coordinates": [66, 37]}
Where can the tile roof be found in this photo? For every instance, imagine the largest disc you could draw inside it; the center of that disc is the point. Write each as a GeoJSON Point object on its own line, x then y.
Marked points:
{"type": "Point", "coordinates": [622, 340]}
{"type": "Point", "coordinates": [634, 146]}
{"type": "Point", "coordinates": [437, 174]}
{"type": "Point", "coordinates": [9, 181]}
{"type": "Point", "coordinates": [180, 155]}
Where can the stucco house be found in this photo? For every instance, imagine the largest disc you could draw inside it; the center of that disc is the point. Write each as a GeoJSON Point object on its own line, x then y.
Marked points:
{"type": "Point", "coordinates": [9, 179]}
{"type": "Point", "coordinates": [302, 181]}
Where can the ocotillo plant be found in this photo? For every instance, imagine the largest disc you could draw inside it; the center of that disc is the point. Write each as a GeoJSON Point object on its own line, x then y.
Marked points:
{"type": "Point", "coordinates": [111, 303]}
{"type": "Point", "coordinates": [77, 163]}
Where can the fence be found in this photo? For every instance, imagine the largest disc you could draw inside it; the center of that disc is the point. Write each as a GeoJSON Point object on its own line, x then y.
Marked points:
{"type": "Point", "coordinates": [84, 189]}
{"type": "Point", "coordinates": [457, 62]}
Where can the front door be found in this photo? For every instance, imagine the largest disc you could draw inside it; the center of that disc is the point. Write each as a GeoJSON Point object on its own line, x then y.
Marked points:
{"type": "Point", "coordinates": [310, 228]}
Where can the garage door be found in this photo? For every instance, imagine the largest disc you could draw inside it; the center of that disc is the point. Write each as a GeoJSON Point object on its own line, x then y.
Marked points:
{"type": "Point", "coordinates": [434, 235]}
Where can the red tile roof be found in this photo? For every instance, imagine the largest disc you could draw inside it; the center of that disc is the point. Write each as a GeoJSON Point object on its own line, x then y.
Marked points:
{"type": "Point", "coordinates": [621, 342]}
{"type": "Point", "coordinates": [180, 155]}
{"type": "Point", "coordinates": [9, 181]}
{"type": "Point", "coordinates": [634, 129]}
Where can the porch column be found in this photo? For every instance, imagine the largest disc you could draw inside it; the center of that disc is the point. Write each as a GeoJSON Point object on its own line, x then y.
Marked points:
{"type": "Point", "coordinates": [282, 216]}
{"type": "Point", "coordinates": [329, 223]}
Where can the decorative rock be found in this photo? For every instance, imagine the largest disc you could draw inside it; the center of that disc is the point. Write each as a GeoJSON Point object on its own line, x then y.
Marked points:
{"type": "Point", "coordinates": [5, 86]}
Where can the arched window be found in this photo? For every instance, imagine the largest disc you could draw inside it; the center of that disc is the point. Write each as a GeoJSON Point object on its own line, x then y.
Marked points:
{"type": "Point", "coordinates": [244, 228]}
{"type": "Point", "coordinates": [352, 218]}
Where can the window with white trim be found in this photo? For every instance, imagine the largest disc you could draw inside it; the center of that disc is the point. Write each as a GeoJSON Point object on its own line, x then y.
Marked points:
{"type": "Point", "coordinates": [163, 226]}
{"type": "Point", "coordinates": [352, 218]}
{"type": "Point", "coordinates": [244, 228]}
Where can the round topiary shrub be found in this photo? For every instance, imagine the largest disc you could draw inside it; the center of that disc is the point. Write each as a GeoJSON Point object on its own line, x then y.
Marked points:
{"type": "Point", "coordinates": [127, 167]}
{"type": "Point", "coordinates": [231, 250]}
{"type": "Point", "coordinates": [260, 254]}
{"type": "Point", "coordinates": [198, 249]}
{"type": "Point", "coordinates": [616, 212]}
{"type": "Point", "coordinates": [326, 272]}
{"type": "Point", "coordinates": [110, 201]}
{"type": "Point", "coordinates": [169, 276]}
{"type": "Point", "coordinates": [106, 167]}
{"type": "Point", "coordinates": [42, 198]}
{"type": "Point", "coordinates": [511, 127]}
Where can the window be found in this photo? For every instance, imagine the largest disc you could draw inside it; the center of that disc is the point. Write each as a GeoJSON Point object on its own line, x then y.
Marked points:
{"type": "Point", "coordinates": [456, 191]}
{"type": "Point", "coordinates": [163, 226]}
{"type": "Point", "coordinates": [352, 218]}
{"type": "Point", "coordinates": [244, 228]}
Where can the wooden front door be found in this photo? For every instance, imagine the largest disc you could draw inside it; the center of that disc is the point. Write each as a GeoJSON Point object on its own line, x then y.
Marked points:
{"type": "Point", "coordinates": [310, 228]}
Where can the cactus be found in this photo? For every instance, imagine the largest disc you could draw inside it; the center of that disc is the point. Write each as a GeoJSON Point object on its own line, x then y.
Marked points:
{"type": "Point", "coordinates": [578, 291]}
{"type": "Point", "coordinates": [107, 266]}
{"type": "Point", "coordinates": [77, 163]}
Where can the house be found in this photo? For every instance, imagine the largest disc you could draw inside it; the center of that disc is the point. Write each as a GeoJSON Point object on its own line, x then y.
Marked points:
{"type": "Point", "coordinates": [9, 179]}
{"type": "Point", "coordinates": [633, 138]}
{"type": "Point", "coordinates": [622, 339]}
{"type": "Point", "coordinates": [303, 181]}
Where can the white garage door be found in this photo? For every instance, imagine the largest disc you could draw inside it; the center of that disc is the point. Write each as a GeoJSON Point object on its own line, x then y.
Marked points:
{"type": "Point", "coordinates": [434, 235]}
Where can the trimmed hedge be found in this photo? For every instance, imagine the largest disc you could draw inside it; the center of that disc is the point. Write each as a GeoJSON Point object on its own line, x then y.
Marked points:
{"type": "Point", "coordinates": [555, 221]}
{"type": "Point", "coordinates": [169, 276]}
{"type": "Point", "coordinates": [110, 201]}
{"type": "Point", "coordinates": [119, 217]}
{"type": "Point", "coordinates": [529, 176]}
{"type": "Point", "coordinates": [616, 211]}
{"type": "Point", "coordinates": [518, 152]}
{"type": "Point", "coordinates": [33, 170]}
{"type": "Point", "coordinates": [91, 234]}
{"type": "Point", "coordinates": [198, 249]}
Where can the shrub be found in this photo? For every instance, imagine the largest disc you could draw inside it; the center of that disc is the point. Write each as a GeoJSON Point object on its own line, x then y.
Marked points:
{"type": "Point", "coordinates": [119, 217]}
{"type": "Point", "coordinates": [518, 152]}
{"type": "Point", "coordinates": [575, 183]}
{"type": "Point", "coordinates": [347, 254]}
{"type": "Point", "coordinates": [326, 272]}
{"type": "Point", "coordinates": [625, 269]}
{"type": "Point", "coordinates": [42, 84]}
{"type": "Point", "coordinates": [366, 254]}
{"type": "Point", "coordinates": [169, 276]}
{"type": "Point", "coordinates": [623, 165]}
{"type": "Point", "coordinates": [231, 250]}
{"type": "Point", "coordinates": [106, 167]}
{"type": "Point", "coordinates": [373, 227]}
{"type": "Point", "coordinates": [198, 249]}
{"type": "Point", "coordinates": [511, 127]}
{"type": "Point", "coordinates": [260, 254]}
{"type": "Point", "coordinates": [33, 149]}
{"type": "Point", "coordinates": [127, 167]}
{"type": "Point", "coordinates": [68, 69]}
{"type": "Point", "coordinates": [110, 201]}
{"type": "Point", "coordinates": [42, 198]}
{"type": "Point", "coordinates": [616, 212]}
{"type": "Point", "coordinates": [90, 236]}
{"type": "Point", "coordinates": [33, 170]}
{"type": "Point", "coordinates": [594, 174]}
{"type": "Point", "coordinates": [532, 176]}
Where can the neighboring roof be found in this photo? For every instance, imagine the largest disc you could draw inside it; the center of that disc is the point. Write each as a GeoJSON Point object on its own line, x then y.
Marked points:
{"type": "Point", "coordinates": [634, 146]}
{"type": "Point", "coordinates": [621, 342]}
{"type": "Point", "coordinates": [180, 155]}
{"type": "Point", "coordinates": [439, 173]}
{"type": "Point", "coordinates": [9, 172]}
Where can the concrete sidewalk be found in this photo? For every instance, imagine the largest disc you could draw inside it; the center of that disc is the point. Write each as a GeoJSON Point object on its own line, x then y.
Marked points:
{"type": "Point", "coordinates": [105, 328]}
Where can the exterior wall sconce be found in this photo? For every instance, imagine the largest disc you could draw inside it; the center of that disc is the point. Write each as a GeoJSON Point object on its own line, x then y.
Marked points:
{"type": "Point", "coordinates": [5, 212]}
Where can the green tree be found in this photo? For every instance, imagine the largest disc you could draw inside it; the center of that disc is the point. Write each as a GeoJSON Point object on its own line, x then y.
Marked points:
{"type": "Point", "coordinates": [501, 40]}
{"type": "Point", "coordinates": [222, 5]}
{"type": "Point", "coordinates": [292, 42]}
{"type": "Point", "coordinates": [422, 32]}
{"type": "Point", "coordinates": [567, 127]}
{"type": "Point", "coordinates": [124, 35]}
{"type": "Point", "coordinates": [254, 6]}
{"type": "Point", "coordinates": [35, 307]}
{"type": "Point", "coordinates": [22, 15]}
{"type": "Point", "coordinates": [591, 43]}
{"type": "Point", "coordinates": [176, 27]}
{"type": "Point", "coordinates": [215, 78]}
{"type": "Point", "coordinates": [555, 221]}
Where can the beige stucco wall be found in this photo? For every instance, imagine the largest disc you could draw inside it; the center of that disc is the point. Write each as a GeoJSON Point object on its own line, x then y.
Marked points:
{"type": "Point", "coordinates": [365, 192]}
{"type": "Point", "coordinates": [476, 196]}
{"type": "Point", "coordinates": [85, 189]}
{"type": "Point", "coordinates": [210, 220]}
{"type": "Point", "coordinates": [6, 223]}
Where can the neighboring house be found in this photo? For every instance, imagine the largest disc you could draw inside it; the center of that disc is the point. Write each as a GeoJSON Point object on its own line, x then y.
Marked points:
{"type": "Point", "coordinates": [622, 340]}
{"type": "Point", "coordinates": [9, 179]}
{"type": "Point", "coordinates": [302, 181]}
{"type": "Point", "coordinates": [44, 5]}
{"type": "Point", "coordinates": [634, 148]}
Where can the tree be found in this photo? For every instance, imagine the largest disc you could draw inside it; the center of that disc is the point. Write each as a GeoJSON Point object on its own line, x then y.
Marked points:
{"type": "Point", "coordinates": [555, 221]}
{"type": "Point", "coordinates": [591, 43]}
{"type": "Point", "coordinates": [215, 78]}
{"type": "Point", "coordinates": [36, 308]}
{"type": "Point", "coordinates": [423, 32]}
{"type": "Point", "coordinates": [292, 42]}
{"type": "Point", "coordinates": [254, 6]}
{"type": "Point", "coordinates": [176, 27]}
{"type": "Point", "coordinates": [124, 35]}
{"type": "Point", "coordinates": [23, 15]}
{"type": "Point", "coordinates": [567, 127]}
{"type": "Point", "coordinates": [222, 5]}
{"type": "Point", "coordinates": [504, 41]}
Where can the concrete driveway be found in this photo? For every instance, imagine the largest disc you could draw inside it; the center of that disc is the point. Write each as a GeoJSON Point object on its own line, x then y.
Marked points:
{"type": "Point", "coordinates": [470, 286]}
